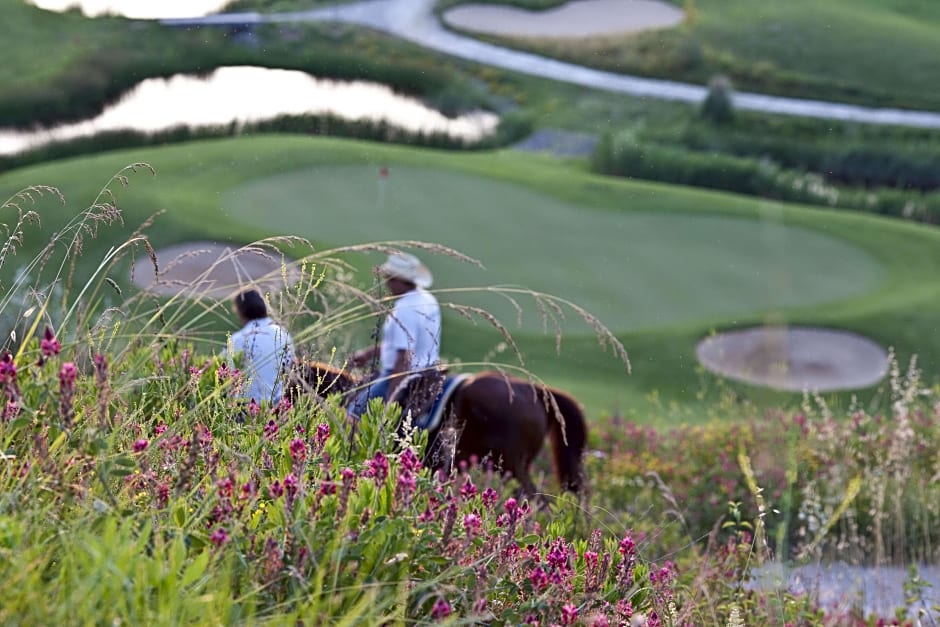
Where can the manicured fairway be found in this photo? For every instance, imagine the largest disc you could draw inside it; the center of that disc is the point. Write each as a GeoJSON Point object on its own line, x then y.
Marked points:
{"type": "Point", "coordinates": [662, 266]}
{"type": "Point", "coordinates": [633, 270]}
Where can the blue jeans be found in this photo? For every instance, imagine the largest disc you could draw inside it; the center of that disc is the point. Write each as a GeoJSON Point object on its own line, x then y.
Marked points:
{"type": "Point", "coordinates": [376, 388]}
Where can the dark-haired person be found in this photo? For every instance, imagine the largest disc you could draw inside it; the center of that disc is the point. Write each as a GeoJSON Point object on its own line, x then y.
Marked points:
{"type": "Point", "coordinates": [411, 334]}
{"type": "Point", "coordinates": [267, 348]}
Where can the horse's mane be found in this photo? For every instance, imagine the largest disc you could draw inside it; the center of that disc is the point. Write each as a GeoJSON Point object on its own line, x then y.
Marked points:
{"type": "Point", "coordinates": [322, 379]}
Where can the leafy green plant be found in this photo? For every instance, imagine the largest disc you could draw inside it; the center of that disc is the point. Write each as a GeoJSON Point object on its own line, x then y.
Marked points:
{"type": "Point", "coordinates": [718, 106]}
{"type": "Point", "coordinates": [137, 489]}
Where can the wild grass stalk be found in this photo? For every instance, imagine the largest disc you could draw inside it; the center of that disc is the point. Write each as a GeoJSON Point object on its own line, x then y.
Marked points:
{"type": "Point", "coordinates": [134, 488]}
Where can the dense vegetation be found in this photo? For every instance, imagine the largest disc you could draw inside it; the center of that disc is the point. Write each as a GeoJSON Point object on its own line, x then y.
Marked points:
{"type": "Point", "coordinates": [865, 168]}
{"type": "Point", "coordinates": [137, 489]}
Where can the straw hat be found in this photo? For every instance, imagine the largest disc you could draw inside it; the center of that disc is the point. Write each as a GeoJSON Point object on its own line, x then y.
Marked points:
{"type": "Point", "coordinates": [408, 268]}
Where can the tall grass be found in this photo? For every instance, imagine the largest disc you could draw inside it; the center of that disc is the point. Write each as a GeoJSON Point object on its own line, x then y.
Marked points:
{"type": "Point", "coordinates": [137, 489]}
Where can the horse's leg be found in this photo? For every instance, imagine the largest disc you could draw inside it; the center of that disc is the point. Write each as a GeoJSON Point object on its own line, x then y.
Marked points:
{"type": "Point", "coordinates": [522, 475]}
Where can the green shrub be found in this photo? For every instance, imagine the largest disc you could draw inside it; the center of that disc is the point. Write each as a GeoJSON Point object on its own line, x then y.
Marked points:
{"type": "Point", "coordinates": [627, 157]}
{"type": "Point", "coordinates": [718, 106]}
{"type": "Point", "coordinates": [840, 156]}
{"type": "Point", "coordinates": [511, 128]}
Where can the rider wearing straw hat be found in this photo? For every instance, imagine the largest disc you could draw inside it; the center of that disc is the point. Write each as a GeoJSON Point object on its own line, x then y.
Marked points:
{"type": "Point", "coordinates": [411, 334]}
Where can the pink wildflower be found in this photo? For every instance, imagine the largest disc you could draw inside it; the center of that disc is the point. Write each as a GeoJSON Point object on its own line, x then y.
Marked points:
{"type": "Point", "coordinates": [406, 484]}
{"type": "Point", "coordinates": [539, 578]}
{"type": "Point", "coordinates": [323, 433]}
{"type": "Point", "coordinates": [140, 445]}
{"type": "Point", "coordinates": [283, 406]}
{"type": "Point", "coordinates": [627, 546]}
{"type": "Point", "coordinates": [219, 537]}
{"type": "Point", "coordinates": [468, 490]}
{"type": "Point", "coordinates": [410, 461]}
{"type": "Point", "coordinates": [291, 485]}
{"type": "Point", "coordinates": [225, 487]}
{"type": "Point", "coordinates": [298, 450]}
{"type": "Point", "coordinates": [440, 610]}
{"type": "Point", "coordinates": [49, 345]}
{"type": "Point", "coordinates": [7, 368]}
{"type": "Point", "coordinates": [377, 467]}
{"type": "Point", "coordinates": [625, 609]}
{"type": "Point", "coordinates": [590, 559]}
{"type": "Point", "coordinates": [489, 496]}
{"type": "Point", "coordinates": [270, 430]}
{"type": "Point", "coordinates": [254, 409]}
{"type": "Point", "coordinates": [426, 516]}
{"type": "Point", "coordinates": [11, 410]}
{"type": "Point", "coordinates": [473, 524]}
{"type": "Point", "coordinates": [569, 614]}
{"type": "Point", "coordinates": [67, 375]}
{"type": "Point", "coordinates": [557, 556]}
{"type": "Point", "coordinates": [163, 494]}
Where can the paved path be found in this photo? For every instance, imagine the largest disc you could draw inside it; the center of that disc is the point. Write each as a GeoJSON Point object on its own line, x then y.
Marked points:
{"type": "Point", "coordinates": [413, 20]}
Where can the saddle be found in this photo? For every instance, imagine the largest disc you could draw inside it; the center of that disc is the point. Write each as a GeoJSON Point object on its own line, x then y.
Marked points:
{"type": "Point", "coordinates": [425, 395]}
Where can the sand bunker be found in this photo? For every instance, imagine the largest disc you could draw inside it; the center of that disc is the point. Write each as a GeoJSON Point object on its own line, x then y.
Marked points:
{"type": "Point", "coordinates": [212, 270]}
{"type": "Point", "coordinates": [580, 18]}
{"type": "Point", "coordinates": [795, 359]}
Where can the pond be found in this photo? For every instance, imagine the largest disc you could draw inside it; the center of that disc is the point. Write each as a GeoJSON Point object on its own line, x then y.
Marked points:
{"type": "Point", "coordinates": [877, 590]}
{"type": "Point", "coordinates": [252, 94]}
{"type": "Point", "coordinates": [138, 9]}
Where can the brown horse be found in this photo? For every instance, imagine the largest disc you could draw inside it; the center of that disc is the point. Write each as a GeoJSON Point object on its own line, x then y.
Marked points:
{"type": "Point", "coordinates": [491, 416]}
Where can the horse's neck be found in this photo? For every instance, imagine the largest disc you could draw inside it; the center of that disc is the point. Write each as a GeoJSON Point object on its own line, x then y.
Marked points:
{"type": "Point", "coordinates": [330, 378]}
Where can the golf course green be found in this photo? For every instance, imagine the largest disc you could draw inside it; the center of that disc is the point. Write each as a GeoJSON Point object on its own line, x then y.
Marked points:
{"type": "Point", "coordinates": [633, 269]}
{"type": "Point", "coordinates": [660, 266]}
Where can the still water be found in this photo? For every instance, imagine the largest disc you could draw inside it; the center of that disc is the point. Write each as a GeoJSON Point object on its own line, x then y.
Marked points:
{"type": "Point", "coordinates": [253, 94]}
{"type": "Point", "coordinates": [138, 9]}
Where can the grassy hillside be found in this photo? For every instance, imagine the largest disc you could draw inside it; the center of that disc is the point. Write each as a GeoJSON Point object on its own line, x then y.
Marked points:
{"type": "Point", "coordinates": [834, 50]}
{"type": "Point", "coordinates": [651, 287]}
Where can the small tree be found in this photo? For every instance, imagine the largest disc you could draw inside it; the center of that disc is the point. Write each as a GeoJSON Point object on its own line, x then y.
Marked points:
{"type": "Point", "coordinates": [718, 106]}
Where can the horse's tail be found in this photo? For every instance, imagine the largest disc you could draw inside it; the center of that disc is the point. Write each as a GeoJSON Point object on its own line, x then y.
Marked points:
{"type": "Point", "coordinates": [568, 433]}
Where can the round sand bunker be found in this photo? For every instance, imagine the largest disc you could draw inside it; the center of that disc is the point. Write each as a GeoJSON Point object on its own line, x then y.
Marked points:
{"type": "Point", "coordinates": [579, 18]}
{"type": "Point", "coordinates": [212, 270]}
{"type": "Point", "coordinates": [795, 358]}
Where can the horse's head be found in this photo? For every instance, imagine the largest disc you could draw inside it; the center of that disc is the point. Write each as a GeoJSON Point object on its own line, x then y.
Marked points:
{"type": "Point", "coordinates": [320, 379]}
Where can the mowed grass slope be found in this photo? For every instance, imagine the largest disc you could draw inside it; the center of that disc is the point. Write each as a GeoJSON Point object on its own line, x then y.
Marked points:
{"type": "Point", "coordinates": [633, 269]}
{"type": "Point", "coordinates": [626, 249]}
{"type": "Point", "coordinates": [875, 52]}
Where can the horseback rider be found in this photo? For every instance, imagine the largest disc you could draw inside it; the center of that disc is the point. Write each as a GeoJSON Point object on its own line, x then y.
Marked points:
{"type": "Point", "coordinates": [411, 333]}
{"type": "Point", "coordinates": [266, 346]}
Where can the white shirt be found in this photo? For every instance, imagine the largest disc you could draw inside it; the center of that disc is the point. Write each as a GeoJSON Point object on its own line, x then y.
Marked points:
{"type": "Point", "coordinates": [414, 325]}
{"type": "Point", "coordinates": [268, 351]}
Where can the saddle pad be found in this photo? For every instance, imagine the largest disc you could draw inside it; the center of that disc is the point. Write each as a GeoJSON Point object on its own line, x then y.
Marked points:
{"type": "Point", "coordinates": [432, 419]}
